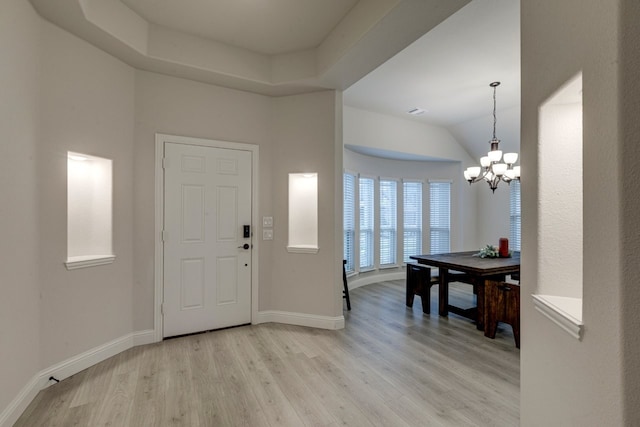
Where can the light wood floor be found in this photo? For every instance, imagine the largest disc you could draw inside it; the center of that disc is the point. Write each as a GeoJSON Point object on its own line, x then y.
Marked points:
{"type": "Point", "coordinates": [390, 366]}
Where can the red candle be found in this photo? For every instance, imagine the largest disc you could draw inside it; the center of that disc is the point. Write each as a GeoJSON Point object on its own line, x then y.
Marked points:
{"type": "Point", "coordinates": [503, 248]}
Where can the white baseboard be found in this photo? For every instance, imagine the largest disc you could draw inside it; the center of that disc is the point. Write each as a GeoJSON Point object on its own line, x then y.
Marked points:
{"type": "Point", "coordinates": [144, 337]}
{"type": "Point", "coordinates": [69, 367]}
{"type": "Point", "coordinates": [17, 406]}
{"type": "Point", "coordinates": [370, 279]}
{"type": "Point", "coordinates": [301, 319]}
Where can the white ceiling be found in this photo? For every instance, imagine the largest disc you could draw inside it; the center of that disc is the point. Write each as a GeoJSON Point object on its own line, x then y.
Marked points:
{"type": "Point", "coordinates": [447, 72]}
{"type": "Point", "coordinates": [449, 51]}
{"type": "Point", "coordinates": [268, 27]}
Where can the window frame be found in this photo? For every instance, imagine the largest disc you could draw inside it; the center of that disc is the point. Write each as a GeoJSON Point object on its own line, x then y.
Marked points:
{"type": "Point", "coordinates": [394, 229]}
{"type": "Point", "coordinates": [420, 237]}
{"type": "Point", "coordinates": [372, 266]}
{"type": "Point", "coordinates": [515, 215]}
{"type": "Point", "coordinates": [436, 218]}
{"type": "Point", "coordinates": [352, 262]}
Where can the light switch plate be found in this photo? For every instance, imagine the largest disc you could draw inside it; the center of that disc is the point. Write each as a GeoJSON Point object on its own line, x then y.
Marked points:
{"type": "Point", "coordinates": [267, 234]}
{"type": "Point", "coordinates": [267, 221]}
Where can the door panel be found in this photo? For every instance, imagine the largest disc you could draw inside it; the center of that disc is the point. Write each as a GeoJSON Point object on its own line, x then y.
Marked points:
{"type": "Point", "coordinates": [192, 220]}
{"type": "Point", "coordinates": [192, 284]}
{"type": "Point", "coordinates": [207, 271]}
{"type": "Point", "coordinates": [227, 281]}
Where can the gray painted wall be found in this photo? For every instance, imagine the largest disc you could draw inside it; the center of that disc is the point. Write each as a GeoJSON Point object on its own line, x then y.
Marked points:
{"type": "Point", "coordinates": [19, 279]}
{"type": "Point", "coordinates": [593, 382]}
{"type": "Point", "coordinates": [66, 95]}
{"type": "Point", "coordinates": [87, 105]}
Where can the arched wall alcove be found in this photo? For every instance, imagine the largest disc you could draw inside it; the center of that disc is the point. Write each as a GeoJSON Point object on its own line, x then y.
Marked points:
{"type": "Point", "coordinates": [560, 182]}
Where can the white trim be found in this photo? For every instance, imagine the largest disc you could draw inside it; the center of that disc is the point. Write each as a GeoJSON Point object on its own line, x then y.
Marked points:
{"type": "Point", "coordinates": [145, 337]}
{"type": "Point", "coordinates": [375, 278]}
{"type": "Point", "coordinates": [76, 262]}
{"type": "Point", "coordinates": [562, 311]}
{"type": "Point", "coordinates": [412, 180]}
{"type": "Point", "coordinates": [158, 246]}
{"type": "Point", "coordinates": [350, 172]}
{"type": "Point", "coordinates": [303, 249]}
{"type": "Point", "coordinates": [84, 360]}
{"type": "Point", "coordinates": [18, 405]}
{"type": "Point", "coordinates": [161, 139]}
{"type": "Point", "coordinates": [301, 319]}
{"type": "Point", "coordinates": [69, 367]}
{"type": "Point", "coordinates": [387, 178]}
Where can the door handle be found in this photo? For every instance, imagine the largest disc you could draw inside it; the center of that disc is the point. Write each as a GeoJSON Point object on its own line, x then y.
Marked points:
{"type": "Point", "coordinates": [245, 246]}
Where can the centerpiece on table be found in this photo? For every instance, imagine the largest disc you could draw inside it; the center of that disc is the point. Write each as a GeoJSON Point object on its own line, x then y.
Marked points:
{"type": "Point", "coordinates": [491, 251]}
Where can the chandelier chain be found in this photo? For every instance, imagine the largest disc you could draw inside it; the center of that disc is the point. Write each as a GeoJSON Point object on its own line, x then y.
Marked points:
{"type": "Point", "coordinates": [494, 112]}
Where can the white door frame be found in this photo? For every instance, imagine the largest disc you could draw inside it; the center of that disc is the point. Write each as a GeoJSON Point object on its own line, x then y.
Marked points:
{"type": "Point", "coordinates": [161, 139]}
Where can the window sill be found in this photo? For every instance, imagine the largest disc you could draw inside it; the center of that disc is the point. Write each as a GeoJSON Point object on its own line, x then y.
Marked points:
{"type": "Point", "coordinates": [563, 311]}
{"type": "Point", "coordinates": [85, 261]}
{"type": "Point", "coordinates": [301, 249]}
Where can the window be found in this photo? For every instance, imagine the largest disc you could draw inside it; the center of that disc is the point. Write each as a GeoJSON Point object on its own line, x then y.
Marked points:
{"type": "Point", "coordinates": [349, 220]}
{"type": "Point", "coordinates": [388, 221]}
{"type": "Point", "coordinates": [440, 217]}
{"type": "Point", "coordinates": [514, 212]}
{"type": "Point", "coordinates": [412, 219]}
{"type": "Point", "coordinates": [366, 223]}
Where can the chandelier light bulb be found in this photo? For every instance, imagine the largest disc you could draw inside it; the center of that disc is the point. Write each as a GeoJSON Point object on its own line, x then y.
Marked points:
{"type": "Point", "coordinates": [499, 169]}
{"type": "Point", "coordinates": [495, 155]}
{"type": "Point", "coordinates": [516, 171]}
{"type": "Point", "coordinates": [485, 162]}
{"type": "Point", "coordinates": [466, 175]}
{"type": "Point", "coordinates": [474, 171]}
{"type": "Point", "coordinates": [510, 158]}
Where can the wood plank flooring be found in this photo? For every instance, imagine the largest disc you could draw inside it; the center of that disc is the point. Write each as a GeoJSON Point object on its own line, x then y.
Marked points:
{"type": "Point", "coordinates": [390, 366]}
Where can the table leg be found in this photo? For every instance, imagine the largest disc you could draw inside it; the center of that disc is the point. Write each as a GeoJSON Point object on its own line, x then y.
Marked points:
{"type": "Point", "coordinates": [410, 286]}
{"type": "Point", "coordinates": [483, 310]}
{"type": "Point", "coordinates": [480, 320]}
{"type": "Point", "coordinates": [443, 292]}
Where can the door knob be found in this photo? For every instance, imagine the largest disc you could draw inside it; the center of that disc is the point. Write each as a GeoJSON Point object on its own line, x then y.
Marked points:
{"type": "Point", "coordinates": [245, 246]}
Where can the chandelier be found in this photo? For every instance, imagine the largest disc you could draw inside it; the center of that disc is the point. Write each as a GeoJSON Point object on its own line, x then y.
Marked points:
{"type": "Point", "coordinates": [491, 169]}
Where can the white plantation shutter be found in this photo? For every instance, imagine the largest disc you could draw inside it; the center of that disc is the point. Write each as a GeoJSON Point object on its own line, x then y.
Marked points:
{"type": "Point", "coordinates": [388, 221]}
{"type": "Point", "coordinates": [440, 217]}
{"type": "Point", "coordinates": [514, 212]}
{"type": "Point", "coordinates": [366, 223]}
{"type": "Point", "coordinates": [412, 220]}
{"type": "Point", "coordinates": [349, 220]}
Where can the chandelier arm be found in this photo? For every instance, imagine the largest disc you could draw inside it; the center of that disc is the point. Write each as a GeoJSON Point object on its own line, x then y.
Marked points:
{"type": "Point", "coordinates": [479, 177]}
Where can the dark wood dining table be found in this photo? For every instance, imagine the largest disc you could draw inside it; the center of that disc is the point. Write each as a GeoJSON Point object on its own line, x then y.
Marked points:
{"type": "Point", "coordinates": [476, 271]}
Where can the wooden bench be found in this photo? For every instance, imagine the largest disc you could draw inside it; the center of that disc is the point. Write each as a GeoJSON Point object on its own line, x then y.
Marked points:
{"type": "Point", "coordinates": [420, 281]}
{"type": "Point", "coordinates": [502, 304]}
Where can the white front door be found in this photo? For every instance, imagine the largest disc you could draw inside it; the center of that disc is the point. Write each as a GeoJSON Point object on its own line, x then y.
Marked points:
{"type": "Point", "coordinates": [207, 258]}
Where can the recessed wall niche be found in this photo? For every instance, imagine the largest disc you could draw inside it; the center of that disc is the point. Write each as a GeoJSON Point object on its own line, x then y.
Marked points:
{"type": "Point", "coordinates": [89, 211]}
{"type": "Point", "coordinates": [560, 246]}
{"type": "Point", "coordinates": [303, 213]}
